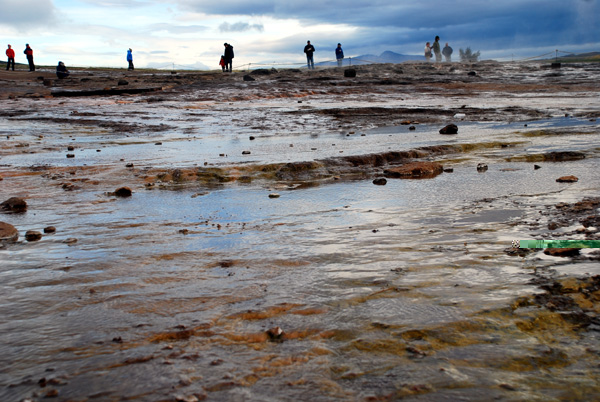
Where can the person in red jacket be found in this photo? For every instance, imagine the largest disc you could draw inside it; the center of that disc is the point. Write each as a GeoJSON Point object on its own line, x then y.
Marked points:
{"type": "Point", "coordinates": [10, 53]}
{"type": "Point", "coordinates": [29, 53]}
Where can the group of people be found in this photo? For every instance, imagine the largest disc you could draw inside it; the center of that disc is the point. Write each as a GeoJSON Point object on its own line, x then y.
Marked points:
{"type": "Point", "coordinates": [28, 52]}
{"type": "Point", "coordinates": [309, 49]}
{"type": "Point", "coordinates": [226, 62]}
{"type": "Point", "coordinates": [435, 50]}
{"type": "Point", "coordinates": [61, 69]}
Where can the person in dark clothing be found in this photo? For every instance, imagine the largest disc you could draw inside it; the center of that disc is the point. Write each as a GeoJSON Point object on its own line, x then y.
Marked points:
{"type": "Point", "coordinates": [339, 54]}
{"type": "Point", "coordinates": [447, 52]}
{"type": "Point", "coordinates": [29, 53]}
{"type": "Point", "coordinates": [10, 53]}
{"type": "Point", "coordinates": [228, 57]}
{"type": "Point", "coordinates": [436, 50]}
{"type": "Point", "coordinates": [309, 50]}
{"type": "Point", "coordinates": [61, 71]}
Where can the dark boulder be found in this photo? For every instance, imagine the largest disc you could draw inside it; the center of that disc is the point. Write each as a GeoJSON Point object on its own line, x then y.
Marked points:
{"type": "Point", "coordinates": [248, 77]}
{"type": "Point", "coordinates": [33, 235]}
{"type": "Point", "coordinates": [123, 192]}
{"type": "Point", "coordinates": [449, 129]}
{"type": "Point", "coordinates": [380, 181]}
{"type": "Point", "coordinates": [350, 73]}
{"type": "Point", "coordinates": [14, 204]}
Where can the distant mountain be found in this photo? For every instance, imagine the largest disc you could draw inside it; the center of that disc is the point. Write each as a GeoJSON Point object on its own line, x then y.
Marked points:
{"type": "Point", "coordinates": [386, 57]}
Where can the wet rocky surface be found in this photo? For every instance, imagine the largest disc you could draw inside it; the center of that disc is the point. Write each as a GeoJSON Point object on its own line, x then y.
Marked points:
{"type": "Point", "coordinates": [223, 239]}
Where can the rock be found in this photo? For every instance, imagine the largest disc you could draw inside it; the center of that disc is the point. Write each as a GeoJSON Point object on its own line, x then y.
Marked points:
{"type": "Point", "coordinates": [47, 83]}
{"type": "Point", "coordinates": [123, 192]}
{"type": "Point", "coordinates": [123, 82]}
{"type": "Point", "coordinates": [567, 179]}
{"type": "Point", "coordinates": [274, 195]}
{"type": "Point", "coordinates": [472, 73]}
{"type": "Point", "coordinates": [189, 398]}
{"type": "Point", "coordinates": [449, 129]}
{"type": "Point", "coordinates": [70, 155]}
{"type": "Point", "coordinates": [246, 152]}
{"type": "Point", "coordinates": [412, 128]}
{"type": "Point", "coordinates": [536, 167]}
{"type": "Point", "coordinates": [380, 181]}
{"type": "Point", "coordinates": [248, 77]}
{"type": "Point", "coordinates": [70, 148]}
{"type": "Point", "coordinates": [482, 167]}
{"type": "Point", "coordinates": [415, 170]}
{"type": "Point", "coordinates": [562, 156]}
{"type": "Point", "coordinates": [252, 138]}
{"type": "Point", "coordinates": [14, 204]}
{"type": "Point", "coordinates": [70, 240]}
{"type": "Point", "coordinates": [33, 235]}
{"type": "Point", "coordinates": [448, 170]}
{"type": "Point", "coordinates": [129, 165]}
{"type": "Point", "coordinates": [562, 252]}
{"type": "Point", "coordinates": [49, 229]}
{"type": "Point", "coordinates": [350, 73]}
{"type": "Point", "coordinates": [275, 333]}
{"type": "Point", "coordinates": [8, 232]}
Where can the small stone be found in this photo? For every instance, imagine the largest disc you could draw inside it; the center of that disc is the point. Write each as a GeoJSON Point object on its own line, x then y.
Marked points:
{"type": "Point", "coordinates": [274, 195]}
{"type": "Point", "coordinates": [189, 398]}
{"type": "Point", "coordinates": [482, 167]}
{"type": "Point", "coordinates": [380, 181]}
{"type": "Point", "coordinates": [70, 155]}
{"type": "Point", "coordinates": [14, 204]}
{"type": "Point", "coordinates": [8, 232]}
{"type": "Point", "coordinates": [70, 240]}
{"type": "Point", "coordinates": [449, 129]}
{"type": "Point", "coordinates": [472, 73]}
{"type": "Point", "coordinates": [412, 128]}
{"type": "Point", "coordinates": [70, 148]}
{"type": "Point", "coordinates": [158, 143]}
{"type": "Point", "coordinates": [536, 167]}
{"type": "Point", "coordinates": [562, 252]}
{"type": "Point", "coordinates": [33, 235]}
{"type": "Point", "coordinates": [448, 170]}
{"type": "Point", "coordinates": [123, 192]}
{"type": "Point", "coordinates": [49, 229]}
{"type": "Point", "coordinates": [123, 82]}
{"type": "Point", "coordinates": [129, 165]}
{"type": "Point", "coordinates": [275, 333]}
{"type": "Point", "coordinates": [252, 138]}
{"type": "Point", "coordinates": [350, 73]}
{"type": "Point", "coordinates": [245, 152]}
{"type": "Point", "coordinates": [567, 179]}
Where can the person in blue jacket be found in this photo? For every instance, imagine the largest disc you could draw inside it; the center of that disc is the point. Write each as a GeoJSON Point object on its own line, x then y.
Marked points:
{"type": "Point", "coordinates": [339, 54]}
{"type": "Point", "coordinates": [130, 58]}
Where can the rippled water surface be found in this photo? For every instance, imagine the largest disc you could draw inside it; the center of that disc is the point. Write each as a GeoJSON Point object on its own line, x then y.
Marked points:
{"type": "Point", "coordinates": [395, 291]}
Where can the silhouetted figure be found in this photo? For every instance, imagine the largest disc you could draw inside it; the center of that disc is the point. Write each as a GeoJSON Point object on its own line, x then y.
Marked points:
{"type": "Point", "coordinates": [339, 54]}
{"type": "Point", "coordinates": [222, 63]}
{"type": "Point", "coordinates": [447, 52]}
{"type": "Point", "coordinates": [130, 58]}
{"type": "Point", "coordinates": [61, 71]}
{"type": "Point", "coordinates": [10, 53]}
{"type": "Point", "coordinates": [309, 50]}
{"type": "Point", "coordinates": [228, 57]}
{"type": "Point", "coordinates": [29, 53]}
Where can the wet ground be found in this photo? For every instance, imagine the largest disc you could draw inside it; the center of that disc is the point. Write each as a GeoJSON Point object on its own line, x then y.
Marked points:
{"type": "Point", "coordinates": [256, 259]}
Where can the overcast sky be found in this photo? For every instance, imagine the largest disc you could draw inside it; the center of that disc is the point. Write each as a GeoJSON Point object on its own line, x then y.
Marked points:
{"type": "Point", "coordinates": [192, 32]}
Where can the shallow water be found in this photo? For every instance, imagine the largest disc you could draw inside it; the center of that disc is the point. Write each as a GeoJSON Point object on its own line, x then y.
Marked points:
{"type": "Point", "coordinates": [396, 291]}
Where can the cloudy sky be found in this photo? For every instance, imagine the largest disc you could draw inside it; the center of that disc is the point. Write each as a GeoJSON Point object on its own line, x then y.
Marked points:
{"type": "Point", "coordinates": [185, 33]}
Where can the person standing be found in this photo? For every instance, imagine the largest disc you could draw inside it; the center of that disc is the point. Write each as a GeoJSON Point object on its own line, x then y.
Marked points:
{"type": "Point", "coordinates": [436, 49]}
{"type": "Point", "coordinates": [309, 50]}
{"type": "Point", "coordinates": [228, 57]}
{"type": "Point", "coordinates": [447, 52]}
{"type": "Point", "coordinates": [130, 58]}
{"type": "Point", "coordinates": [29, 53]}
{"type": "Point", "coordinates": [427, 52]}
{"type": "Point", "coordinates": [339, 54]}
{"type": "Point", "coordinates": [10, 53]}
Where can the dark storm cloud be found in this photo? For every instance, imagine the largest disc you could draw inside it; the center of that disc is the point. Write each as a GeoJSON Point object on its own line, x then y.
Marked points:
{"type": "Point", "coordinates": [533, 23]}
{"type": "Point", "coordinates": [24, 14]}
{"type": "Point", "coordinates": [240, 27]}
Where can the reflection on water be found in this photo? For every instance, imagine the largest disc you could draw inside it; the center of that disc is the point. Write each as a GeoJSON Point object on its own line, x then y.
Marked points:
{"type": "Point", "coordinates": [395, 291]}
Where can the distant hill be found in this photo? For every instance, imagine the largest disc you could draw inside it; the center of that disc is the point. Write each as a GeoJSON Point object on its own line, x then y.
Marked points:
{"type": "Point", "coordinates": [386, 57]}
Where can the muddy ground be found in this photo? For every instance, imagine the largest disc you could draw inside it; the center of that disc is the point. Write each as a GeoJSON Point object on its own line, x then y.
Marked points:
{"type": "Point", "coordinates": [178, 137]}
